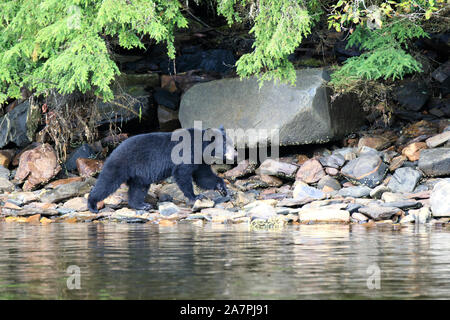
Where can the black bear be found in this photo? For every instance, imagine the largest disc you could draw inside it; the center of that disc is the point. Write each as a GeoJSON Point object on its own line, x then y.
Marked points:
{"type": "Point", "coordinates": [152, 157]}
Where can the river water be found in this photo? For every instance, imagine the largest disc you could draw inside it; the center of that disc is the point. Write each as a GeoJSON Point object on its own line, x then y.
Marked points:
{"type": "Point", "coordinates": [136, 261]}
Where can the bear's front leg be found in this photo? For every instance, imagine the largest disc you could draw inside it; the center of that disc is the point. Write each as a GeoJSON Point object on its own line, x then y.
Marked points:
{"type": "Point", "coordinates": [136, 195]}
{"type": "Point", "coordinates": [183, 177]}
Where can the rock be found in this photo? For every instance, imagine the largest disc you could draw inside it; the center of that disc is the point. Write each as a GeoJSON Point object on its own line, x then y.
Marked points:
{"type": "Point", "coordinates": [310, 172]}
{"type": "Point", "coordinates": [355, 192]}
{"type": "Point", "coordinates": [262, 211]}
{"type": "Point", "coordinates": [368, 170]}
{"type": "Point", "coordinates": [439, 199]}
{"type": "Point", "coordinates": [404, 180]}
{"type": "Point", "coordinates": [302, 191]}
{"type": "Point", "coordinates": [243, 198]}
{"type": "Point", "coordinates": [171, 193]}
{"type": "Point", "coordinates": [379, 213]}
{"type": "Point", "coordinates": [407, 219]}
{"type": "Point", "coordinates": [6, 157]}
{"type": "Point", "coordinates": [168, 119]}
{"type": "Point", "coordinates": [218, 215]}
{"type": "Point", "coordinates": [37, 166]}
{"type": "Point", "coordinates": [412, 95]}
{"type": "Point", "coordinates": [200, 204]}
{"type": "Point", "coordinates": [435, 162]}
{"type": "Point", "coordinates": [392, 197]}
{"type": "Point", "coordinates": [65, 191]}
{"type": "Point", "coordinates": [271, 181]}
{"type": "Point", "coordinates": [402, 204]}
{"type": "Point", "coordinates": [85, 151]}
{"type": "Point", "coordinates": [305, 114]}
{"type": "Point", "coordinates": [294, 202]}
{"type": "Point", "coordinates": [277, 168]}
{"type": "Point", "coordinates": [374, 142]}
{"type": "Point", "coordinates": [214, 60]}
{"type": "Point", "coordinates": [167, 99]}
{"type": "Point", "coordinates": [359, 217]}
{"type": "Point", "coordinates": [368, 151]}
{"type": "Point", "coordinates": [89, 167]}
{"type": "Point", "coordinates": [6, 185]}
{"type": "Point", "coordinates": [348, 153]}
{"type": "Point", "coordinates": [167, 208]}
{"type": "Point", "coordinates": [323, 215]}
{"type": "Point", "coordinates": [19, 125]}
{"type": "Point", "coordinates": [413, 150]}
{"type": "Point", "coordinates": [251, 183]}
{"type": "Point", "coordinates": [59, 182]}
{"type": "Point", "coordinates": [243, 169]}
{"type": "Point", "coordinates": [332, 171]}
{"type": "Point", "coordinates": [333, 161]}
{"type": "Point", "coordinates": [442, 73]}
{"type": "Point", "coordinates": [438, 140]}
{"type": "Point", "coordinates": [422, 215]}
{"type": "Point", "coordinates": [4, 173]}
{"type": "Point", "coordinates": [397, 162]}
{"type": "Point", "coordinates": [76, 204]}
{"type": "Point", "coordinates": [330, 182]}
{"type": "Point", "coordinates": [378, 191]}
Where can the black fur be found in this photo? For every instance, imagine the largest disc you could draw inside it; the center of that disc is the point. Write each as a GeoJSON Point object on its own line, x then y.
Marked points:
{"type": "Point", "coordinates": [145, 159]}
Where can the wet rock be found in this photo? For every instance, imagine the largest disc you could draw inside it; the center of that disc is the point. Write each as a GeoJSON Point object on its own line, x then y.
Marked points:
{"type": "Point", "coordinates": [438, 140]}
{"type": "Point", "coordinates": [19, 125]}
{"type": "Point", "coordinates": [359, 217]}
{"type": "Point", "coordinates": [377, 192]}
{"type": "Point", "coordinates": [421, 216]}
{"type": "Point", "coordinates": [167, 208]}
{"type": "Point", "coordinates": [310, 172]}
{"type": "Point", "coordinates": [375, 142]}
{"type": "Point", "coordinates": [353, 207]}
{"type": "Point", "coordinates": [355, 192]}
{"type": "Point", "coordinates": [37, 166]}
{"type": "Point", "coordinates": [412, 95]}
{"type": "Point", "coordinates": [303, 191]}
{"type": "Point", "coordinates": [439, 199]}
{"type": "Point", "coordinates": [407, 219]}
{"type": "Point", "coordinates": [76, 204]}
{"type": "Point", "coordinates": [6, 185]}
{"type": "Point", "coordinates": [333, 161]}
{"type": "Point", "coordinates": [435, 162]}
{"type": "Point", "coordinates": [65, 191]}
{"type": "Point", "coordinates": [329, 182]}
{"type": "Point", "coordinates": [218, 215]}
{"type": "Point", "coordinates": [85, 151]}
{"type": "Point", "coordinates": [304, 113]}
{"type": "Point", "coordinates": [402, 204]}
{"type": "Point", "coordinates": [277, 168]}
{"type": "Point", "coordinates": [243, 169]}
{"type": "Point", "coordinates": [171, 193]}
{"type": "Point", "coordinates": [404, 180]}
{"type": "Point", "coordinates": [368, 170]}
{"type": "Point", "coordinates": [323, 214]}
{"type": "Point", "coordinates": [262, 211]}
{"type": "Point", "coordinates": [379, 213]}
{"type": "Point", "coordinates": [413, 150]}
{"type": "Point", "coordinates": [89, 167]}
{"type": "Point", "coordinates": [368, 151]}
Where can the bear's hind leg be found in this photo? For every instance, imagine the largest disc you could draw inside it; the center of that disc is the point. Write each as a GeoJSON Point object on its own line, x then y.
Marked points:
{"type": "Point", "coordinates": [136, 195]}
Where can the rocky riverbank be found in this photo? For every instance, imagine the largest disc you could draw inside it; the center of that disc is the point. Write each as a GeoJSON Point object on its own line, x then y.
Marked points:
{"type": "Point", "coordinates": [383, 177]}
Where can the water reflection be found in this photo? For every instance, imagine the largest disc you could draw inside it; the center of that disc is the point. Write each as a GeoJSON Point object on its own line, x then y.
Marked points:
{"type": "Point", "coordinates": [120, 261]}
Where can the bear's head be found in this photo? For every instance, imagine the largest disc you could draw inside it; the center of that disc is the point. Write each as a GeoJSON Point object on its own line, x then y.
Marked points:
{"type": "Point", "coordinates": [219, 146]}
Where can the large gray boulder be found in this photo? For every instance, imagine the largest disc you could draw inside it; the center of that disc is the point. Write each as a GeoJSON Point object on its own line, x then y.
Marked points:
{"type": "Point", "coordinates": [19, 125]}
{"type": "Point", "coordinates": [304, 113]}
